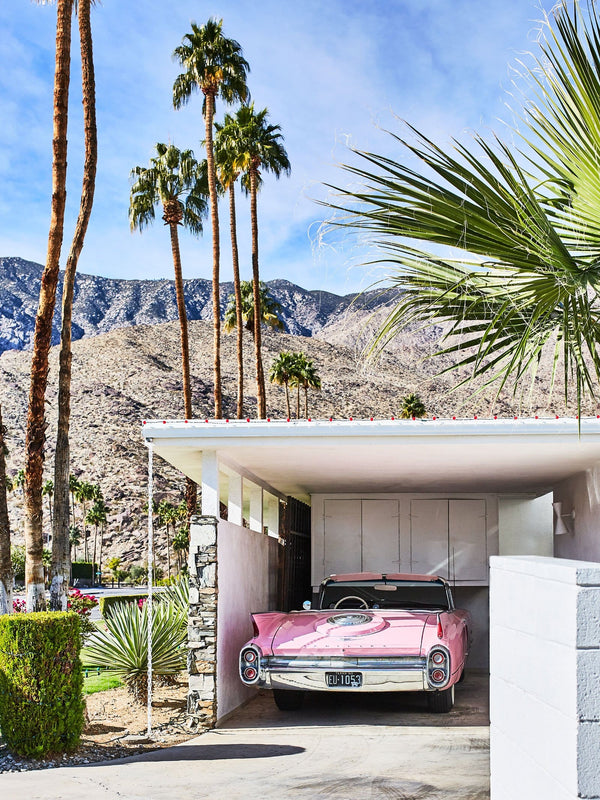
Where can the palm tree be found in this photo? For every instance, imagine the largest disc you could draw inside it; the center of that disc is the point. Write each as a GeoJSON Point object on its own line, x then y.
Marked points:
{"type": "Point", "coordinates": [412, 407]}
{"type": "Point", "coordinates": [96, 516]}
{"type": "Point", "coordinates": [177, 182]}
{"type": "Point", "coordinates": [6, 570]}
{"type": "Point", "coordinates": [260, 148]}
{"type": "Point", "coordinates": [282, 372]}
{"type": "Point", "coordinates": [308, 378]}
{"type": "Point", "coordinates": [526, 278]}
{"type": "Point", "coordinates": [225, 157]}
{"type": "Point", "coordinates": [213, 65]}
{"type": "Point", "coordinates": [181, 545]}
{"type": "Point", "coordinates": [269, 309]}
{"type": "Point", "coordinates": [74, 539]}
{"type": "Point", "coordinates": [61, 549]}
{"type": "Point", "coordinates": [36, 420]}
{"type": "Point", "coordinates": [73, 487]}
{"type": "Point", "coordinates": [84, 493]}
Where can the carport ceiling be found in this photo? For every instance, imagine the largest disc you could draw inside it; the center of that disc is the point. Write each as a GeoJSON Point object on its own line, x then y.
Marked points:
{"type": "Point", "coordinates": [302, 458]}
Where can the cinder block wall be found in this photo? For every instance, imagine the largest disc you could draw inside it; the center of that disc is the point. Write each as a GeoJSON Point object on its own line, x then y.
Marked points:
{"type": "Point", "coordinates": [544, 678]}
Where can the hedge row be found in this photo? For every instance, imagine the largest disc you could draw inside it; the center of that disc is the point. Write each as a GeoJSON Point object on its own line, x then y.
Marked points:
{"type": "Point", "coordinates": [41, 680]}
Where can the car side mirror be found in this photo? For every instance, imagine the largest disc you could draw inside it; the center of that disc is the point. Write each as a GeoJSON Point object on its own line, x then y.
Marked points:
{"type": "Point", "coordinates": [307, 605]}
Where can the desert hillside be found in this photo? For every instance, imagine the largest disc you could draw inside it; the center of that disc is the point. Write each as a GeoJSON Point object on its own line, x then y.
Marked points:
{"type": "Point", "coordinates": [133, 373]}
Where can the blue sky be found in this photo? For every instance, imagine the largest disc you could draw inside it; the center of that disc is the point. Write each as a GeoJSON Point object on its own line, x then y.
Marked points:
{"type": "Point", "coordinates": [331, 74]}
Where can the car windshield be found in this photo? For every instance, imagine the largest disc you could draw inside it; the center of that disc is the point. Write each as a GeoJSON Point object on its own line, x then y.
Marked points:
{"type": "Point", "coordinates": [416, 595]}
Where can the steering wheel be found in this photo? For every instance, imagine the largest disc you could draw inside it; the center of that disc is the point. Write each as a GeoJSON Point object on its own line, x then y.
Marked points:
{"type": "Point", "coordinates": [351, 597]}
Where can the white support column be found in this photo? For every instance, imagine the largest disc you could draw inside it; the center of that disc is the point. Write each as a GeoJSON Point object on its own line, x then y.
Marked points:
{"type": "Point", "coordinates": [235, 501]}
{"type": "Point", "coordinates": [256, 509]}
{"type": "Point", "coordinates": [272, 514]}
{"type": "Point", "coordinates": [210, 484]}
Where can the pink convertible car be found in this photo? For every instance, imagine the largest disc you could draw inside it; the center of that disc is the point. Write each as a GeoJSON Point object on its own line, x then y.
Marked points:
{"type": "Point", "coordinates": [370, 633]}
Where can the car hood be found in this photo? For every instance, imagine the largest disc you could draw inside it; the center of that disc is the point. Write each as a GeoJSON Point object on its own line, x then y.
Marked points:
{"type": "Point", "coordinates": [350, 633]}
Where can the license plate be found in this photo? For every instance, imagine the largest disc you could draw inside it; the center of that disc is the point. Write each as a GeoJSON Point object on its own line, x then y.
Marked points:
{"type": "Point", "coordinates": [344, 680]}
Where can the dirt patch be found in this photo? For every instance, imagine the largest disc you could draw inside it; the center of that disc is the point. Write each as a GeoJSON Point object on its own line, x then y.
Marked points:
{"type": "Point", "coordinates": [116, 727]}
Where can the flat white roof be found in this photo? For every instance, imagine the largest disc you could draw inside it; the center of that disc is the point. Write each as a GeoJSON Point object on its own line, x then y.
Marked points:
{"type": "Point", "coordinates": [304, 457]}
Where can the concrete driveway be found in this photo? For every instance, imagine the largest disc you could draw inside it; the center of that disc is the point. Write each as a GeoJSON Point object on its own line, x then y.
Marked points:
{"type": "Point", "coordinates": [341, 747]}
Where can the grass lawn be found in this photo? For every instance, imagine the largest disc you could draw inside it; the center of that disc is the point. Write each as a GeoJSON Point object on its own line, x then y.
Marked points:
{"type": "Point", "coordinates": [100, 683]}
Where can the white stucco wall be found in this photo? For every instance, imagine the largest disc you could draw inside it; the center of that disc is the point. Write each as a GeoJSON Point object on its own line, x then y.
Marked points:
{"type": "Point", "coordinates": [581, 494]}
{"type": "Point", "coordinates": [545, 667]}
{"type": "Point", "coordinates": [247, 582]}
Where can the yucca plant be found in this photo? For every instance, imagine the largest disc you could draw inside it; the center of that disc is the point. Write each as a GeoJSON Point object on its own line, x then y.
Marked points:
{"type": "Point", "coordinates": [177, 594]}
{"type": "Point", "coordinates": [501, 242]}
{"type": "Point", "coordinates": [123, 645]}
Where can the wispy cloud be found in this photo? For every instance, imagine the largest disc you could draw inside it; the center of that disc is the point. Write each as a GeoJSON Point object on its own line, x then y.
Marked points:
{"type": "Point", "coordinates": [331, 74]}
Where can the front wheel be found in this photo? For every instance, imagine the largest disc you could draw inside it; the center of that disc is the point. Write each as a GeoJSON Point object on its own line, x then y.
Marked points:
{"type": "Point", "coordinates": [441, 702]}
{"type": "Point", "coordinates": [288, 699]}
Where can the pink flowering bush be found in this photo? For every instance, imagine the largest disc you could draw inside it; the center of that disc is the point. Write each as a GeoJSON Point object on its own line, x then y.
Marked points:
{"type": "Point", "coordinates": [83, 604]}
{"type": "Point", "coordinates": [19, 606]}
{"type": "Point", "coordinates": [141, 602]}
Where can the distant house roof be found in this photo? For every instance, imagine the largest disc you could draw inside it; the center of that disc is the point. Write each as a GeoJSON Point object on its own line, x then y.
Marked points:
{"type": "Point", "coordinates": [304, 457]}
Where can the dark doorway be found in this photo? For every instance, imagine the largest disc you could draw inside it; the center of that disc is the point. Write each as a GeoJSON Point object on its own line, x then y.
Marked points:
{"type": "Point", "coordinates": [294, 584]}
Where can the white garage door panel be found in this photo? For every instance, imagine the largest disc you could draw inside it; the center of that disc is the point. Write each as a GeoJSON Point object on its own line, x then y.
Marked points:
{"type": "Point", "coordinates": [342, 536]}
{"type": "Point", "coordinates": [380, 540]}
{"type": "Point", "coordinates": [467, 528]}
{"type": "Point", "coordinates": [429, 537]}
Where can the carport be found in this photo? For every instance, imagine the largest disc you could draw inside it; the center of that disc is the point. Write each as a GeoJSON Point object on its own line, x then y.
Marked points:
{"type": "Point", "coordinates": [438, 496]}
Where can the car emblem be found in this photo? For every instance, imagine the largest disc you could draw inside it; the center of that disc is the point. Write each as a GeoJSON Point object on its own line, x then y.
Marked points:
{"type": "Point", "coordinates": [349, 619]}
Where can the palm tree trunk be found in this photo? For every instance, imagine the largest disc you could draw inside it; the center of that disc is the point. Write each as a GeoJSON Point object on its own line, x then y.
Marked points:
{"type": "Point", "coordinates": [260, 378]}
{"type": "Point", "coordinates": [306, 401]}
{"type": "Point", "coordinates": [100, 553]}
{"type": "Point", "coordinates": [61, 550]}
{"type": "Point", "coordinates": [94, 555]}
{"type": "Point", "coordinates": [6, 571]}
{"type": "Point", "coordinates": [190, 490]}
{"type": "Point", "coordinates": [183, 325]}
{"type": "Point", "coordinates": [298, 402]}
{"type": "Point", "coordinates": [237, 289]}
{"type": "Point", "coordinates": [214, 216]}
{"type": "Point", "coordinates": [85, 537]}
{"type": "Point", "coordinates": [287, 399]}
{"type": "Point", "coordinates": [36, 423]}
{"type": "Point", "coordinates": [168, 554]}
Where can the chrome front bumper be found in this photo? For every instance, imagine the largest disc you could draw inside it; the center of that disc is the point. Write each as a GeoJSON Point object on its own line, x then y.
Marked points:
{"type": "Point", "coordinates": [401, 674]}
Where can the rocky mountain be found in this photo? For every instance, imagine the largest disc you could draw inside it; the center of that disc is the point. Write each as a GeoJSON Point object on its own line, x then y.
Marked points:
{"type": "Point", "coordinates": [103, 304]}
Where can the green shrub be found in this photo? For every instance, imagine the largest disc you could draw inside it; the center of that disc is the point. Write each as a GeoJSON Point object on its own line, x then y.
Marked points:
{"type": "Point", "coordinates": [108, 602]}
{"type": "Point", "coordinates": [123, 646]}
{"type": "Point", "coordinates": [41, 705]}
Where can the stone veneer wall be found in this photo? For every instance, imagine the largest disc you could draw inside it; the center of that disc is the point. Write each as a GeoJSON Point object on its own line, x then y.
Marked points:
{"type": "Point", "coordinates": [202, 622]}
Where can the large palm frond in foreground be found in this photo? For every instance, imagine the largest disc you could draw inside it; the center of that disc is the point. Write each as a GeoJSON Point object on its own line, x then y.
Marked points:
{"type": "Point", "coordinates": [523, 226]}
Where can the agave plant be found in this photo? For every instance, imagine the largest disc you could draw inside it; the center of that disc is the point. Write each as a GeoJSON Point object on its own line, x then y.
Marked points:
{"type": "Point", "coordinates": [123, 645]}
